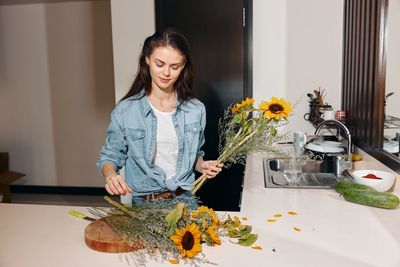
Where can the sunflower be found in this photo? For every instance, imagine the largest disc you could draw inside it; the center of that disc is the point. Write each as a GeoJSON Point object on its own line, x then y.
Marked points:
{"type": "Point", "coordinates": [205, 210]}
{"type": "Point", "coordinates": [188, 240]}
{"type": "Point", "coordinates": [212, 233]}
{"type": "Point", "coordinates": [276, 108]}
{"type": "Point", "coordinates": [245, 103]}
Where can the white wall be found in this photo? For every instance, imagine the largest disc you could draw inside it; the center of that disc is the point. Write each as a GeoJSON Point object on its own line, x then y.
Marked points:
{"type": "Point", "coordinates": [56, 73]}
{"type": "Point", "coordinates": [56, 89]}
{"type": "Point", "coordinates": [297, 48]}
{"type": "Point", "coordinates": [25, 105]}
{"type": "Point", "coordinates": [132, 22]}
{"type": "Point", "coordinates": [393, 62]}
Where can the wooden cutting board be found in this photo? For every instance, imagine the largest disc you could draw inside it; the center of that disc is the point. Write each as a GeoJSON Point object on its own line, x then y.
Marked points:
{"type": "Point", "coordinates": [99, 236]}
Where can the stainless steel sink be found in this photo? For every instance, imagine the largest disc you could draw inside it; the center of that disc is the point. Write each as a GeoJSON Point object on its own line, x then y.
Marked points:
{"type": "Point", "coordinates": [314, 175]}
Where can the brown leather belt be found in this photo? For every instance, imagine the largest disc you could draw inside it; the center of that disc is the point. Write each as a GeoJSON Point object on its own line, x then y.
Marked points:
{"type": "Point", "coordinates": [163, 195]}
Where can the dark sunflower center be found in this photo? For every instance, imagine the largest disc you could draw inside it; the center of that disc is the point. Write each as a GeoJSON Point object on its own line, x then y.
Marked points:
{"type": "Point", "coordinates": [275, 108]}
{"type": "Point", "coordinates": [187, 241]}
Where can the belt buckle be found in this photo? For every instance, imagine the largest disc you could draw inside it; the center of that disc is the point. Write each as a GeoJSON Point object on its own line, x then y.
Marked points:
{"type": "Point", "coordinates": [165, 195]}
{"type": "Point", "coordinates": [157, 196]}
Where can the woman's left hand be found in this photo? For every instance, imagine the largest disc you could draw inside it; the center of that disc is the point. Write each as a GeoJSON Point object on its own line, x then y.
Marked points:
{"type": "Point", "coordinates": [209, 168]}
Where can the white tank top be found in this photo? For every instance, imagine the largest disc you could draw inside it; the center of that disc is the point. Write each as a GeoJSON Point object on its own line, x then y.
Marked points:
{"type": "Point", "coordinates": [167, 146]}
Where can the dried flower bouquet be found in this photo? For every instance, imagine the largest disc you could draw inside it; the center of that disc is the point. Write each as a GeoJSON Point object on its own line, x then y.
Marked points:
{"type": "Point", "coordinates": [172, 230]}
{"type": "Point", "coordinates": [244, 129]}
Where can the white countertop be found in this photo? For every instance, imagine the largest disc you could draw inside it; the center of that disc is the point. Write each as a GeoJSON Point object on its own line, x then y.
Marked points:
{"type": "Point", "coordinates": [333, 232]}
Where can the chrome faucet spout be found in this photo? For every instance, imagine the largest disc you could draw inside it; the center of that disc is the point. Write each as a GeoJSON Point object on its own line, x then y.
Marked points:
{"type": "Point", "coordinates": [341, 126]}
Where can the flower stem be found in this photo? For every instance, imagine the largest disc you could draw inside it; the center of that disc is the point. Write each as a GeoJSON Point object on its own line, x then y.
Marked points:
{"type": "Point", "coordinates": [200, 182]}
{"type": "Point", "coordinates": [119, 206]}
{"type": "Point", "coordinates": [202, 179]}
{"type": "Point", "coordinates": [220, 159]}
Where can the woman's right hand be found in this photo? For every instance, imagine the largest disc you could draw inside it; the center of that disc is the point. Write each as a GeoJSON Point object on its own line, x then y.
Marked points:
{"type": "Point", "coordinates": [116, 185]}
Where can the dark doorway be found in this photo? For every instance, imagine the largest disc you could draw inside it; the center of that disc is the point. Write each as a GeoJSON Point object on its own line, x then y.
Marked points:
{"type": "Point", "coordinates": [219, 34]}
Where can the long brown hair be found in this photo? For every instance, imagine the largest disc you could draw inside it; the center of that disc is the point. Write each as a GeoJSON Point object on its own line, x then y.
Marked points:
{"type": "Point", "coordinates": [184, 83]}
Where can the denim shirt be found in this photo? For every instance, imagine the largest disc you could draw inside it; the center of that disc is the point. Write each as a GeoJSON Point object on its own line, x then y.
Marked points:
{"type": "Point", "coordinates": [131, 143]}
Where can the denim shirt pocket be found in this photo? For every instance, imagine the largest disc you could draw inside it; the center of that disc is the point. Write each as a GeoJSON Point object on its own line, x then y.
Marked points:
{"type": "Point", "coordinates": [135, 139]}
{"type": "Point", "coordinates": [192, 134]}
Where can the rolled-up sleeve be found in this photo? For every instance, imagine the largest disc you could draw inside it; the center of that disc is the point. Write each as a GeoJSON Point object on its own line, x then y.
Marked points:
{"type": "Point", "coordinates": [115, 147]}
{"type": "Point", "coordinates": [200, 152]}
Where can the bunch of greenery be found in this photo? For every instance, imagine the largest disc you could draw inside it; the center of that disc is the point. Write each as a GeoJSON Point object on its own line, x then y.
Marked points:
{"type": "Point", "coordinates": [170, 230]}
{"type": "Point", "coordinates": [244, 129]}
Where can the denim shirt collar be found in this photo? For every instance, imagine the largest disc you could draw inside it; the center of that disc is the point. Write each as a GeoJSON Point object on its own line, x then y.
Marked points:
{"type": "Point", "coordinates": [144, 101]}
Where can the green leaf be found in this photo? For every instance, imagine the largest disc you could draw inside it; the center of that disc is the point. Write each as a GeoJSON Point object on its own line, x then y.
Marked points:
{"type": "Point", "coordinates": [174, 215]}
{"type": "Point", "coordinates": [230, 135]}
{"type": "Point", "coordinates": [206, 238]}
{"type": "Point", "coordinates": [273, 131]}
{"type": "Point", "coordinates": [228, 222]}
{"type": "Point", "coordinates": [237, 118]}
{"type": "Point", "coordinates": [247, 240]}
{"type": "Point", "coordinates": [233, 233]}
{"type": "Point", "coordinates": [245, 229]}
{"type": "Point", "coordinates": [261, 128]}
{"type": "Point", "coordinates": [245, 114]}
{"type": "Point", "coordinates": [247, 128]}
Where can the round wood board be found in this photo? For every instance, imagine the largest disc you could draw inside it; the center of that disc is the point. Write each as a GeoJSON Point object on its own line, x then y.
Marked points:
{"type": "Point", "coordinates": [99, 236]}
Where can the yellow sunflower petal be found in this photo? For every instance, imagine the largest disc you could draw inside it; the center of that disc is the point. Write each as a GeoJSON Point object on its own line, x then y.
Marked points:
{"type": "Point", "coordinates": [245, 103]}
{"type": "Point", "coordinates": [194, 229]}
{"type": "Point", "coordinates": [173, 261]}
{"type": "Point", "coordinates": [192, 236]}
{"type": "Point", "coordinates": [203, 210]}
{"type": "Point", "coordinates": [212, 232]}
{"type": "Point", "coordinates": [196, 249]}
{"type": "Point", "coordinates": [276, 108]}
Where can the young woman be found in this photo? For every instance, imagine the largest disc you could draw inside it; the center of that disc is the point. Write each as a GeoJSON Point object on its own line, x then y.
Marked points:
{"type": "Point", "coordinates": [157, 129]}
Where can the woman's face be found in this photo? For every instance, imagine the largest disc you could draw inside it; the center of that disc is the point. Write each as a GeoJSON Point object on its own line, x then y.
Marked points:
{"type": "Point", "coordinates": [165, 64]}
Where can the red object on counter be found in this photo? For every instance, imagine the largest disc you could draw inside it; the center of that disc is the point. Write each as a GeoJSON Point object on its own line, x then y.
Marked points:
{"type": "Point", "coordinates": [340, 115]}
{"type": "Point", "coordinates": [372, 176]}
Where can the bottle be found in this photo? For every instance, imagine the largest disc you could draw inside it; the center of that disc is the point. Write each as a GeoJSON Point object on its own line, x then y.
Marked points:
{"type": "Point", "coordinates": [299, 142]}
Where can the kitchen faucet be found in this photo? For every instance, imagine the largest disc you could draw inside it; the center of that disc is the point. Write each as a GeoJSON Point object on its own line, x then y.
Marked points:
{"type": "Point", "coordinates": [384, 104]}
{"type": "Point", "coordinates": [339, 158]}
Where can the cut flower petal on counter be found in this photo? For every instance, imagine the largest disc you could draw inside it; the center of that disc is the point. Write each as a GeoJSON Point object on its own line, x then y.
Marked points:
{"type": "Point", "coordinates": [173, 261]}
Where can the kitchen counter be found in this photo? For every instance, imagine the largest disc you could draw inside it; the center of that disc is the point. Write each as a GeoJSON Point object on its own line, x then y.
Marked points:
{"type": "Point", "coordinates": [333, 231]}
{"type": "Point", "coordinates": [330, 232]}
